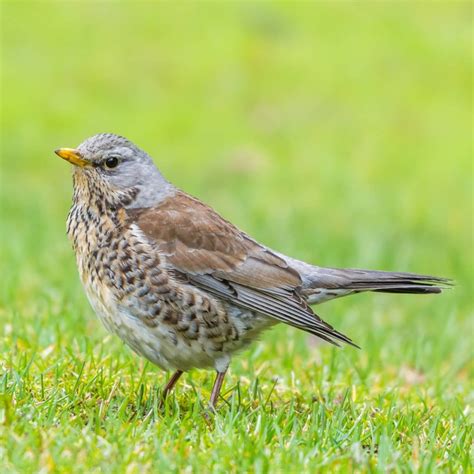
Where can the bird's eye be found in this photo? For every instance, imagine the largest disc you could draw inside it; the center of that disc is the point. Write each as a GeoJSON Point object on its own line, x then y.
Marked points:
{"type": "Point", "coordinates": [111, 162]}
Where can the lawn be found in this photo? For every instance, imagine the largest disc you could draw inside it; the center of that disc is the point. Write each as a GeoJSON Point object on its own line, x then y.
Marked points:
{"type": "Point", "coordinates": [336, 133]}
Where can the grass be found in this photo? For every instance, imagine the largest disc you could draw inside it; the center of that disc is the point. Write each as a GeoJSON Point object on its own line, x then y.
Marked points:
{"type": "Point", "coordinates": [337, 133]}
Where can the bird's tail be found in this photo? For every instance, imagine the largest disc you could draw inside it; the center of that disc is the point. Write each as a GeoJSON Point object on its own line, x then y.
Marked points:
{"type": "Point", "coordinates": [321, 284]}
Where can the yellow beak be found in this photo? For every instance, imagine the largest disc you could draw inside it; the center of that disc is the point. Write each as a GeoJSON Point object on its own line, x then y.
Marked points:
{"type": "Point", "coordinates": [71, 155]}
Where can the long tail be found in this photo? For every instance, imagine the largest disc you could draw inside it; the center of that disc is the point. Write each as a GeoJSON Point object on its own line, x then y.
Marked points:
{"type": "Point", "coordinates": [327, 283]}
{"type": "Point", "coordinates": [321, 284]}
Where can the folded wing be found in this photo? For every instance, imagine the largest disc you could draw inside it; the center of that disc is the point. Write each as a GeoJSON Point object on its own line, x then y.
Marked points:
{"type": "Point", "coordinates": [206, 250]}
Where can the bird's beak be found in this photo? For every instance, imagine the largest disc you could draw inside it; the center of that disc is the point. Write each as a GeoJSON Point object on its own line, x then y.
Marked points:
{"type": "Point", "coordinates": [71, 155]}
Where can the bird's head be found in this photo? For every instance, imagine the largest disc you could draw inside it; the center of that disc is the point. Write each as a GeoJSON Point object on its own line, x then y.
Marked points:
{"type": "Point", "coordinates": [111, 167]}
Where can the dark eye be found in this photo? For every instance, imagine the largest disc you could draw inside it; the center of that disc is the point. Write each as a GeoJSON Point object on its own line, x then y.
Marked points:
{"type": "Point", "coordinates": [111, 162]}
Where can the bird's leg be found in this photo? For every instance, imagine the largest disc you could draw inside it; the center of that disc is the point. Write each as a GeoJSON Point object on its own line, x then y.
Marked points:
{"type": "Point", "coordinates": [171, 383]}
{"type": "Point", "coordinates": [216, 389]}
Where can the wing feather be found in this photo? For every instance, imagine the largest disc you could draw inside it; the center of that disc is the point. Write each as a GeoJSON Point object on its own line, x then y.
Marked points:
{"type": "Point", "coordinates": [210, 252]}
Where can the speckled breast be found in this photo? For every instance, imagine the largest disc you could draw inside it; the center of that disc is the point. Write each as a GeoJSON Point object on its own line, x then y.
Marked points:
{"type": "Point", "coordinates": [127, 283]}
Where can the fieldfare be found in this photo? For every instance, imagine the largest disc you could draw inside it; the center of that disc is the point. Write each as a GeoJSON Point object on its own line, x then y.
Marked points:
{"type": "Point", "coordinates": [179, 284]}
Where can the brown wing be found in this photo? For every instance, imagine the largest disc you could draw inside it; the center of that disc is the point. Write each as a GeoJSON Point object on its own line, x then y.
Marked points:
{"type": "Point", "coordinates": [213, 254]}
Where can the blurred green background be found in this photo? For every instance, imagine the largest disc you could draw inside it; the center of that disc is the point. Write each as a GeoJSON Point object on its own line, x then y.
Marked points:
{"type": "Point", "coordinates": [339, 133]}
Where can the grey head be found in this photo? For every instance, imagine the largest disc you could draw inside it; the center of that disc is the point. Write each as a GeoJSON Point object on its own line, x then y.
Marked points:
{"type": "Point", "coordinates": [110, 163]}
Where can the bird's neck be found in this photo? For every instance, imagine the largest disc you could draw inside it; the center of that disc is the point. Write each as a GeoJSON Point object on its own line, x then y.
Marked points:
{"type": "Point", "coordinates": [99, 197]}
{"type": "Point", "coordinates": [97, 211]}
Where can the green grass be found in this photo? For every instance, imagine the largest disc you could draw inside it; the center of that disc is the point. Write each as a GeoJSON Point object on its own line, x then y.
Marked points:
{"type": "Point", "coordinates": [337, 133]}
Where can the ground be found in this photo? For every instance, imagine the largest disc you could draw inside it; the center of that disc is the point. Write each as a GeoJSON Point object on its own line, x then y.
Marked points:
{"type": "Point", "coordinates": [338, 134]}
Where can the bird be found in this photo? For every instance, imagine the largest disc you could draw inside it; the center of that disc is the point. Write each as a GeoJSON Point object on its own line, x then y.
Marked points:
{"type": "Point", "coordinates": [179, 284]}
